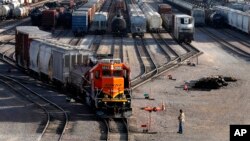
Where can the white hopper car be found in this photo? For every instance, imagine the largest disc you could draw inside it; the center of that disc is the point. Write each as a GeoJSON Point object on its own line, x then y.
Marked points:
{"type": "Point", "coordinates": [100, 20]}
{"type": "Point", "coordinates": [235, 18]}
{"type": "Point", "coordinates": [138, 22]}
{"type": "Point", "coordinates": [190, 9]}
{"type": "Point", "coordinates": [180, 25]}
{"type": "Point", "coordinates": [154, 21]}
{"type": "Point", "coordinates": [56, 61]}
{"type": "Point", "coordinates": [99, 24]}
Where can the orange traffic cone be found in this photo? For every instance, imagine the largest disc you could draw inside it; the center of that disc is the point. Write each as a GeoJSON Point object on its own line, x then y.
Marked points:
{"type": "Point", "coordinates": [185, 87]}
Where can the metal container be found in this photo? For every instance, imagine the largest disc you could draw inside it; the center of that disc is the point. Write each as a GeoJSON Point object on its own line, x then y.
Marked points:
{"type": "Point", "coordinates": [24, 34]}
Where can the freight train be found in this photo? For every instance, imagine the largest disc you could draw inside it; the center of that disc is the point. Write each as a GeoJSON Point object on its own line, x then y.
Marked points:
{"type": "Point", "coordinates": [104, 85]}
{"type": "Point", "coordinates": [235, 18]}
{"type": "Point", "coordinates": [190, 9]}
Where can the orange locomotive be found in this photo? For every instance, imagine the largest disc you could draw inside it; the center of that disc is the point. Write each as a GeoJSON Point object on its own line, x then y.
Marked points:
{"type": "Point", "coordinates": [107, 87]}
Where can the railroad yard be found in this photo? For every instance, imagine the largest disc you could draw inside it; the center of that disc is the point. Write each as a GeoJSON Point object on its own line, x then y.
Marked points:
{"type": "Point", "coordinates": [121, 70]}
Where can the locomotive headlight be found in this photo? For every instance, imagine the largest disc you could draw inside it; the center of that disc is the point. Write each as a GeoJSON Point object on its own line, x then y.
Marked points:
{"type": "Point", "coordinates": [124, 103]}
{"type": "Point", "coordinates": [99, 101]}
{"type": "Point", "coordinates": [123, 96]}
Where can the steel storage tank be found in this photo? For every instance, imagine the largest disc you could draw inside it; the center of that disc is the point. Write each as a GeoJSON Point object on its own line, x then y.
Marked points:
{"type": "Point", "coordinates": [24, 34]}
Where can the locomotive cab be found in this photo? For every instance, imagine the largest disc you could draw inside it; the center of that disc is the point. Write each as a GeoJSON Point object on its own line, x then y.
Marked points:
{"type": "Point", "coordinates": [183, 28]}
{"type": "Point", "coordinates": [110, 88]}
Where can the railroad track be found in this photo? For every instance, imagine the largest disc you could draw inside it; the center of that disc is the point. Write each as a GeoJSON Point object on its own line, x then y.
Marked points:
{"type": "Point", "coordinates": [153, 71]}
{"type": "Point", "coordinates": [117, 129]}
{"type": "Point", "coordinates": [57, 118]}
{"type": "Point", "coordinates": [75, 41]}
{"type": "Point", "coordinates": [117, 48]}
{"type": "Point", "coordinates": [148, 64]}
{"type": "Point", "coordinates": [244, 42]}
{"type": "Point", "coordinates": [225, 44]}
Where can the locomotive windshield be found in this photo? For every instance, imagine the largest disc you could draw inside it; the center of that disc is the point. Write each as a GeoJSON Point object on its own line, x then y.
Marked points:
{"type": "Point", "coordinates": [186, 20]}
{"type": "Point", "coordinates": [117, 73]}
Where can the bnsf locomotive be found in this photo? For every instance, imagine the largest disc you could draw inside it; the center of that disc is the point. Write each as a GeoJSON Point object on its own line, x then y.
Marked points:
{"type": "Point", "coordinates": [107, 88]}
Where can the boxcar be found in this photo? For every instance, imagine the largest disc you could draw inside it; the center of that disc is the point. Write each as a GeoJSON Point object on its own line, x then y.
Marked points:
{"type": "Point", "coordinates": [24, 34]}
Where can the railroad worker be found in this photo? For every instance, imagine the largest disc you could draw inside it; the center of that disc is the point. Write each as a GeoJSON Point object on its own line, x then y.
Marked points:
{"type": "Point", "coordinates": [181, 119]}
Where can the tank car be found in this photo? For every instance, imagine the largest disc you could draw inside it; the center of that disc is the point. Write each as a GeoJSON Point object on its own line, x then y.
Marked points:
{"type": "Point", "coordinates": [107, 87]}
{"type": "Point", "coordinates": [5, 11]}
{"type": "Point", "coordinates": [216, 20]}
{"type": "Point", "coordinates": [20, 12]}
{"type": "Point", "coordinates": [119, 26]}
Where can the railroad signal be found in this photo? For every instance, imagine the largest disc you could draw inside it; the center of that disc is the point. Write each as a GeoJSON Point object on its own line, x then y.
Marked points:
{"type": "Point", "coordinates": [150, 109]}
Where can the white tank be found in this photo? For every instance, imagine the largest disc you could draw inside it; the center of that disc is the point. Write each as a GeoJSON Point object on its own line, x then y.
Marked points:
{"type": "Point", "coordinates": [21, 12]}
{"type": "Point", "coordinates": [153, 18]}
{"type": "Point", "coordinates": [5, 10]}
{"type": "Point", "coordinates": [21, 1]}
{"type": "Point", "coordinates": [28, 1]}
{"type": "Point", "coordinates": [100, 16]}
{"type": "Point", "coordinates": [14, 5]}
